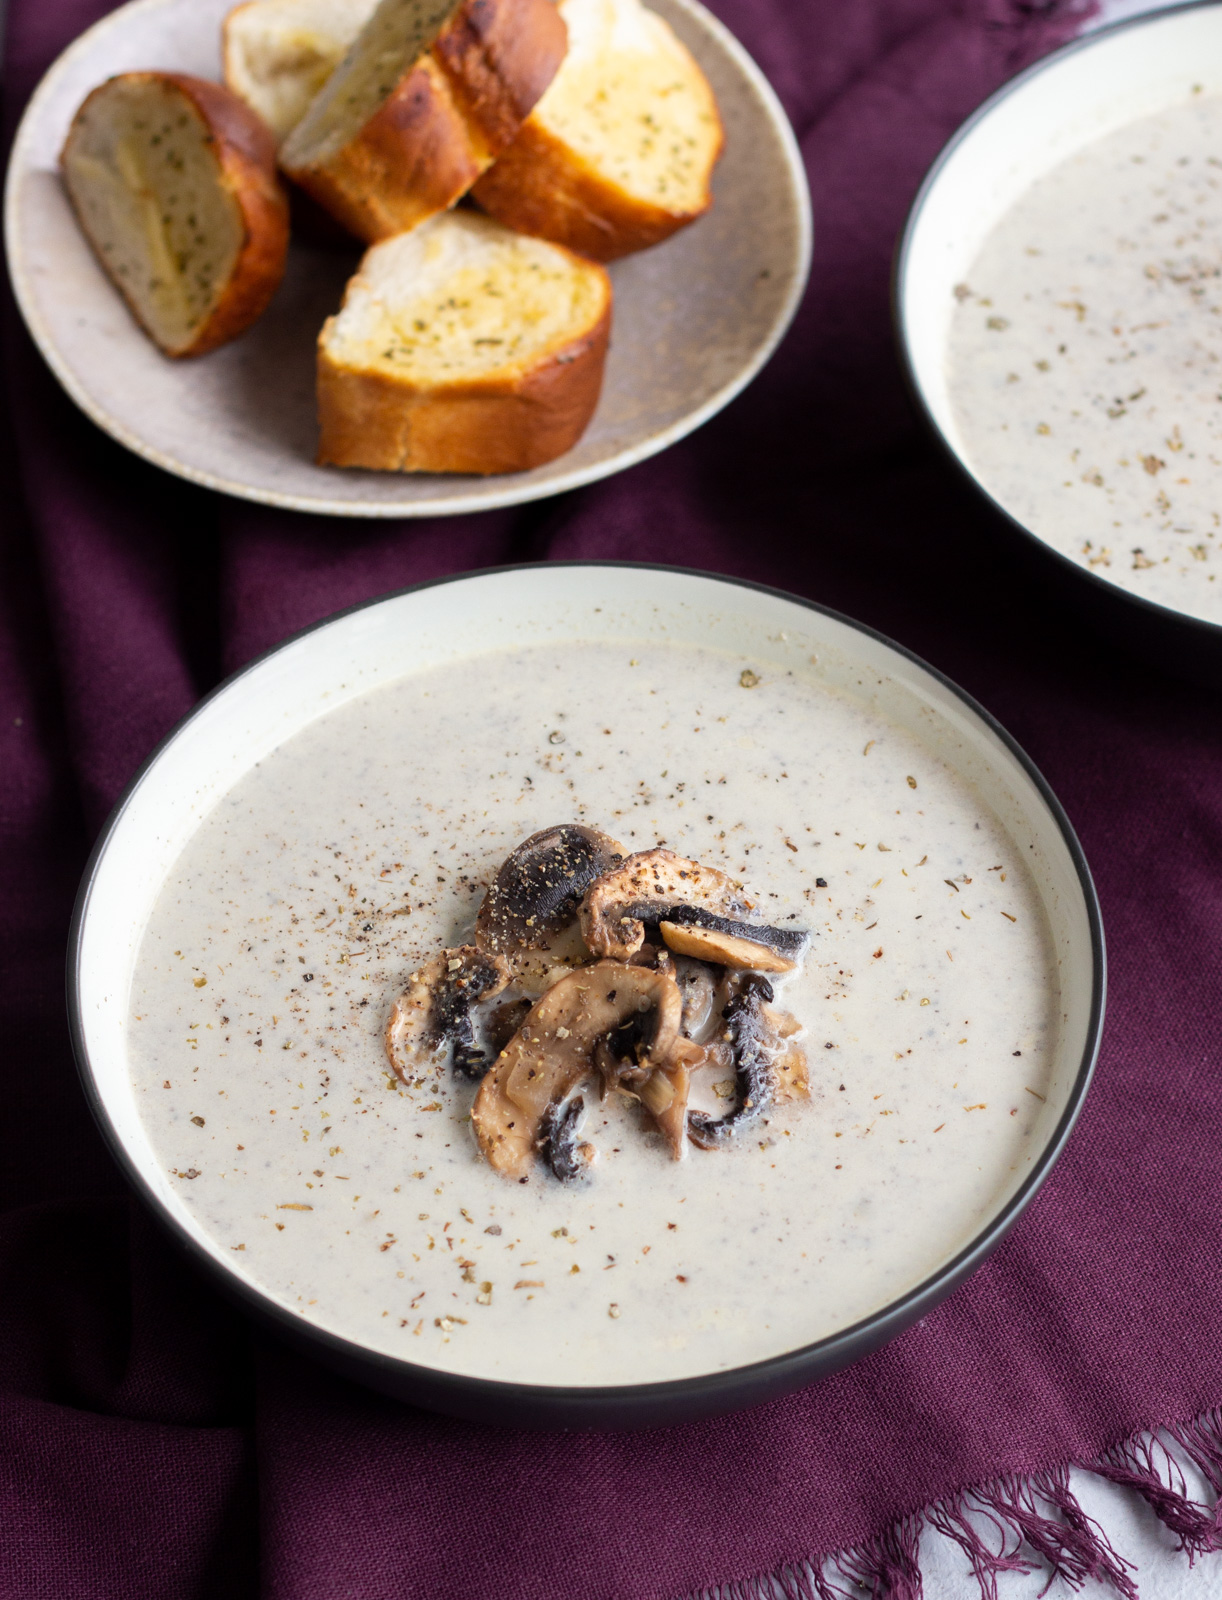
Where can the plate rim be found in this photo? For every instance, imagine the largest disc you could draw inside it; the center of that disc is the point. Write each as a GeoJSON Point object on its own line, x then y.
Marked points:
{"type": "Point", "coordinates": [479, 498]}
{"type": "Point", "coordinates": [663, 1400]}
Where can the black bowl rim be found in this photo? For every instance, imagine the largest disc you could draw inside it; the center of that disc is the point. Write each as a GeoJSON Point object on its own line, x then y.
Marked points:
{"type": "Point", "coordinates": [1203, 630]}
{"type": "Point", "coordinates": [704, 1393]}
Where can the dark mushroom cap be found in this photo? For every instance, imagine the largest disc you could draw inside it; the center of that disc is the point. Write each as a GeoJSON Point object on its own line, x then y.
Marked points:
{"type": "Point", "coordinates": [537, 890]}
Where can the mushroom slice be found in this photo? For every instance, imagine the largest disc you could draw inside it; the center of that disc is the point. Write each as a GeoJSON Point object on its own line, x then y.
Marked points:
{"type": "Point", "coordinates": [536, 892]}
{"type": "Point", "coordinates": [698, 989]}
{"type": "Point", "coordinates": [553, 1051]}
{"type": "Point", "coordinates": [644, 888]}
{"type": "Point", "coordinates": [664, 1095]}
{"type": "Point", "coordinates": [744, 946]}
{"type": "Point", "coordinates": [792, 1078]}
{"type": "Point", "coordinates": [790, 1071]}
{"type": "Point", "coordinates": [757, 1047]}
{"type": "Point", "coordinates": [435, 1010]}
{"type": "Point", "coordinates": [558, 1142]}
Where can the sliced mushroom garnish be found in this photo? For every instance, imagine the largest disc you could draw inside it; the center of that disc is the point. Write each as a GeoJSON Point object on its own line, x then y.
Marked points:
{"type": "Point", "coordinates": [537, 890]}
{"type": "Point", "coordinates": [758, 1047]}
{"type": "Point", "coordinates": [435, 1010]}
{"type": "Point", "coordinates": [744, 946]}
{"type": "Point", "coordinates": [679, 988]}
{"type": "Point", "coordinates": [553, 1051]}
{"type": "Point", "coordinates": [644, 888]}
{"type": "Point", "coordinates": [562, 1151]}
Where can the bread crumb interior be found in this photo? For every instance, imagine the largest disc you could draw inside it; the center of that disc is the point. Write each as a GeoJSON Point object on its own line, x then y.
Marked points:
{"type": "Point", "coordinates": [144, 176]}
{"type": "Point", "coordinates": [462, 297]}
{"type": "Point", "coordinates": [631, 101]}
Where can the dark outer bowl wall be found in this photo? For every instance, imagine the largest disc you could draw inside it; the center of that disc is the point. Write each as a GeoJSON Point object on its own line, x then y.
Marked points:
{"type": "Point", "coordinates": [624, 1406]}
{"type": "Point", "coordinates": [1172, 640]}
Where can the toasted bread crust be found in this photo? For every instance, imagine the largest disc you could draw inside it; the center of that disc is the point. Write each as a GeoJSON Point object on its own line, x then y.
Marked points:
{"type": "Point", "coordinates": [446, 120]}
{"type": "Point", "coordinates": [541, 186]}
{"type": "Point", "coordinates": [499, 59]}
{"type": "Point", "coordinates": [495, 425]}
{"type": "Point", "coordinates": [416, 156]}
{"type": "Point", "coordinates": [246, 152]}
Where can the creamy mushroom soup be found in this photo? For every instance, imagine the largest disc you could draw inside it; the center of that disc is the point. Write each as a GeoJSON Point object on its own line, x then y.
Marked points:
{"type": "Point", "coordinates": [1085, 358]}
{"type": "Point", "coordinates": [365, 843]}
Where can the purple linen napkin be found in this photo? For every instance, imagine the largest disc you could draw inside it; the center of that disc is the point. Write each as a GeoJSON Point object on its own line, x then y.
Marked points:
{"type": "Point", "coordinates": [149, 1446]}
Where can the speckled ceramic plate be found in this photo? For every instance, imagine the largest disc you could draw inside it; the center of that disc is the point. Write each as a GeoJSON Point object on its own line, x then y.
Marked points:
{"type": "Point", "coordinates": [695, 318]}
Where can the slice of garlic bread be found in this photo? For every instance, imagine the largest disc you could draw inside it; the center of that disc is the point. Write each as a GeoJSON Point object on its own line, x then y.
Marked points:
{"type": "Point", "coordinates": [619, 152]}
{"type": "Point", "coordinates": [426, 98]}
{"type": "Point", "coordinates": [174, 183]}
{"type": "Point", "coordinates": [279, 53]}
{"type": "Point", "coordinates": [462, 347]}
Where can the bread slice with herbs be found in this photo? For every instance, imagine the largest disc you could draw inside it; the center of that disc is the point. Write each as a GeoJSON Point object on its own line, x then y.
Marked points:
{"type": "Point", "coordinates": [278, 54]}
{"type": "Point", "coordinates": [174, 182]}
{"type": "Point", "coordinates": [462, 347]}
{"type": "Point", "coordinates": [429, 94]}
{"type": "Point", "coordinates": [619, 152]}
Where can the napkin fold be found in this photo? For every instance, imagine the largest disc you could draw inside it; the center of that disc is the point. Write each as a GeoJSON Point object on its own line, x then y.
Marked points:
{"type": "Point", "coordinates": [151, 1445]}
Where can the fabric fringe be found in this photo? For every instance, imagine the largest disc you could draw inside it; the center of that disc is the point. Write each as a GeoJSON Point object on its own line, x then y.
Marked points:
{"type": "Point", "coordinates": [1147, 1466]}
{"type": "Point", "coordinates": [1018, 1524]}
{"type": "Point", "coordinates": [1049, 1520]}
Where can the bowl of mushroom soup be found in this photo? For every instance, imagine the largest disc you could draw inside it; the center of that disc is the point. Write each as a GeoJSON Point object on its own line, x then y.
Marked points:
{"type": "Point", "coordinates": [590, 995]}
{"type": "Point", "coordinates": [1056, 309]}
